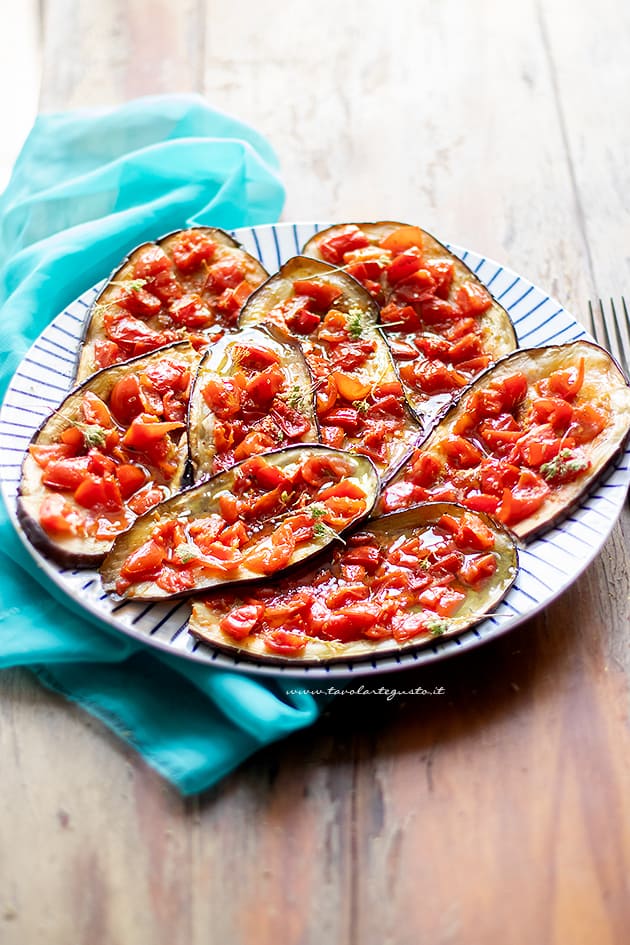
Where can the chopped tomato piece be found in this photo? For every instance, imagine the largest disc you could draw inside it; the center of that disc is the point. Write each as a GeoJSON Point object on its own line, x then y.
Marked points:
{"type": "Point", "coordinates": [126, 401]}
{"type": "Point", "coordinates": [322, 294]}
{"type": "Point", "coordinates": [405, 237]}
{"type": "Point", "coordinates": [345, 417]}
{"type": "Point", "coordinates": [473, 534]}
{"type": "Point", "coordinates": [227, 273]}
{"type": "Point", "coordinates": [290, 421]}
{"type": "Point", "coordinates": [192, 249]}
{"type": "Point", "coordinates": [66, 473]}
{"type": "Point", "coordinates": [130, 479]}
{"type": "Point", "coordinates": [151, 261]}
{"type": "Point", "coordinates": [320, 469]}
{"type": "Point", "coordinates": [240, 622]}
{"type": "Point", "coordinates": [368, 556]}
{"type": "Point", "coordinates": [478, 569]}
{"type": "Point", "coordinates": [299, 317]}
{"type": "Point", "coordinates": [566, 383]}
{"type": "Point", "coordinates": [58, 516]}
{"type": "Point", "coordinates": [334, 248]}
{"type": "Point", "coordinates": [588, 422]}
{"type": "Point", "coordinates": [276, 555]}
{"type": "Point", "coordinates": [472, 299]}
{"type": "Point", "coordinates": [425, 469]}
{"type": "Point", "coordinates": [99, 492]}
{"type": "Point", "coordinates": [350, 388]}
{"type": "Point", "coordinates": [266, 474]}
{"type": "Point", "coordinates": [144, 562]}
{"type": "Point", "coordinates": [263, 387]}
{"type": "Point", "coordinates": [144, 433]}
{"type": "Point", "coordinates": [254, 442]}
{"type": "Point", "coordinates": [223, 397]}
{"type": "Point", "coordinates": [285, 642]}
{"type": "Point", "coordinates": [190, 311]}
{"type": "Point", "coordinates": [253, 357]}
{"type": "Point", "coordinates": [404, 265]}
{"type": "Point", "coordinates": [461, 453]}
{"type": "Point", "coordinates": [345, 489]}
{"type": "Point", "coordinates": [138, 301]}
{"type": "Point", "coordinates": [400, 495]}
{"type": "Point", "coordinates": [43, 455]}
{"type": "Point", "coordinates": [145, 499]}
{"type": "Point", "coordinates": [95, 411]}
{"type": "Point", "coordinates": [442, 272]}
{"type": "Point", "coordinates": [553, 410]}
{"type": "Point", "coordinates": [445, 601]}
{"type": "Point", "coordinates": [481, 502]}
{"type": "Point", "coordinates": [332, 436]}
{"type": "Point", "coordinates": [408, 626]}
{"type": "Point", "coordinates": [524, 499]}
{"type": "Point", "coordinates": [106, 353]}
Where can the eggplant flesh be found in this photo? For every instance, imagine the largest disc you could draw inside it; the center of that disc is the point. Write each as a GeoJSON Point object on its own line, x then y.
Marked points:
{"type": "Point", "coordinates": [190, 282]}
{"type": "Point", "coordinates": [387, 533]}
{"type": "Point", "coordinates": [204, 501]}
{"type": "Point", "coordinates": [229, 357]}
{"type": "Point", "coordinates": [494, 326]}
{"type": "Point", "coordinates": [604, 388]}
{"type": "Point", "coordinates": [280, 289]}
{"type": "Point", "coordinates": [72, 550]}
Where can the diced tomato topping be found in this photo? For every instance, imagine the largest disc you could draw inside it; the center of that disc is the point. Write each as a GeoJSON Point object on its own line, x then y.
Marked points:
{"type": "Point", "coordinates": [321, 293]}
{"type": "Point", "coordinates": [444, 601]}
{"type": "Point", "coordinates": [553, 410]}
{"type": "Point", "coordinates": [300, 319]}
{"type": "Point", "coordinates": [349, 387]}
{"type": "Point", "coordinates": [139, 302]}
{"type": "Point", "coordinates": [345, 417]}
{"type": "Point", "coordinates": [524, 499]}
{"type": "Point", "coordinates": [566, 383]}
{"type": "Point", "coordinates": [368, 556]}
{"type": "Point", "coordinates": [425, 469]}
{"type": "Point", "coordinates": [56, 516]}
{"type": "Point", "coordinates": [99, 492]}
{"type": "Point", "coordinates": [404, 265]}
{"type": "Point", "coordinates": [290, 421]}
{"type": "Point", "coordinates": [151, 261]}
{"type": "Point", "coordinates": [403, 238]}
{"type": "Point", "coordinates": [130, 479]}
{"type": "Point", "coordinates": [224, 397]}
{"type": "Point", "coordinates": [442, 272]}
{"type": "Point", "coordinates": [144, 432]}
{"type": "Point", "coordinates": [473, 534]}
{"type": "Point", "coordinates": [478, 569]}
{"type": "Point", "coordinates": [52, 453]}
{"type": "Point", "coordinates": [472, 299]}
{"type": "Point", "coordinates": [66, 473]}
{"type": "Point", "coordinates": [460, 453]}
{"type": "Point", "coordinates": [106, 353]}
{"type": "Point", "coordinates": [255, 442]}
{"type": "Point", "coordinates": [263, 387]}
{"type": "Point", "coordinates": [126, 401]}
{"type": "Point", "coordinates": [285, 642]}
{"type": "Point", "coordinates": [254, 357]}
{"type": "Point", "coordinates": [240, 622]}
{"type": "Point", "coordinates": [145, 499]}
{"type": "Point", "coordinates": [276, 555]}
{"type": "Point", "coordinates": [190, 311]}
{"type": "Point", "coordinates": [588, 422]}
{"type": "Point", "coordinates": [192, 249]}
{"type": "Point", "coordinates": [264, 473]}
{"type": "Point", "coordinates": [334, 248]}
{"type": "Point", "coordinates": [320, 469]}
{"type": "Point", "coordinates": [225, 274]}
{"type": "Point", "coordinates": [145, 562]}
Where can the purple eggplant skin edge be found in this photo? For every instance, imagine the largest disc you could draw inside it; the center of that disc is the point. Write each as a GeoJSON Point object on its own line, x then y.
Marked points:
{"type": "Point", "coordinates": [251, 582]}
{"type": "Point", "coordinates": [363, 297]}
{"type": "Point", "coordinates": [229, 240]}
{"type": "Point", "coordinates": [592, 484]}
{"type": "Point", "coordinates": [33, 531]}
{"type": "Point", "coordinates": [190, 478]}
{"type": "Point", "coordinates": [385, 651]}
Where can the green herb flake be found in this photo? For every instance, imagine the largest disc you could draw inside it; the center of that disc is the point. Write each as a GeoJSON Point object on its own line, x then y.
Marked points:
{"type": "Point", "coordinates": [187, 552]}
{"type": "Point", "coordinates": [566, 462]}
{"type": "Point", "coordinates": [355, 322]}
{"type": "Point", "coordinates": [93, 434]}
{"type": "Point", "coordinates": [285, 498]}
{"type": "Point", "coordinates": [437, 628]}
{"type": "Point", "coordinates": [361, 406]}
{"type": "Point", "coordinates": [321, 530]}
{"type": "Point", "coordinates": [295, 398]}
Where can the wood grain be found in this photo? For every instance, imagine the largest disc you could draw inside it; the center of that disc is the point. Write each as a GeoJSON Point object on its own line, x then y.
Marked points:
{"type": "Point", "coordinates": [497, 812]}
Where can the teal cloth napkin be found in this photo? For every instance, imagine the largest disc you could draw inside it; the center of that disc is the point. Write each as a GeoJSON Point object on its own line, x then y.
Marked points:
{"type": "Point", "coordinates": [87, 187]}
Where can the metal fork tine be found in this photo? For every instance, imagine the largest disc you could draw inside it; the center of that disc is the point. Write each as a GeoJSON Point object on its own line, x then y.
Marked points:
{"type": "Point", "coordinates": [607, 339]}
{"type": "Point", "coordinates": [611, 329]}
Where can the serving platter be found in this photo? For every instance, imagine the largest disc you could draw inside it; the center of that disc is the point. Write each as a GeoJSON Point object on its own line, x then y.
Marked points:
{"type": "Point", "coordinates": [548, 565]}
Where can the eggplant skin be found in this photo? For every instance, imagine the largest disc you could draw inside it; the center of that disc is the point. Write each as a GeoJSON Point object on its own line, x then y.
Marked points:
{"type": "Point", "coordinates": [93, 329]}
{"type": "Point", "coordinates": [279, 288]}
{"type": "Point", "coordinates": [217, 363]}
{"type": "Point", "coordinates": [204, 624]}
{"type": "Point", "coordinates": [604, 384]}
{"type": "Point", "coordinates": [74, 551]}
{"type": "Point", "coordinates": [200, 500]}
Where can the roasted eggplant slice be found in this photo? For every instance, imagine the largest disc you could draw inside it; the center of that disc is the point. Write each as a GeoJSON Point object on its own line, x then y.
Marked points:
{"type": "Point", "coordinates": [190, 284]}
{"type": "Point", "coordinates": [244, 524]}
{"type": "Point", "coordinates": [360, 401]}
{"type": "Point", "coordinates": [253, 393]}
{"type": "Point", "coordinates": [400, 581]}
{"type": "Point", "coordinates": [114, 448]}
{"type": "Point", "coordinates": [526, 441]}
{"type": "Point", "coordinates": [442, 324]}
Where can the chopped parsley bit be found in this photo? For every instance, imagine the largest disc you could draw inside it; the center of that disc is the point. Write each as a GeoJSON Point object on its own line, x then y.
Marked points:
{"type": "Point", "coordinates": [285, 497]}
{"type": "Point", "coordinates": [187, 552]}
{"type": "Point", "coordinates": [567, 461]}
{"type": "Point", "coordinates": [437, 628]}
{"type": "Point", "coordinates": [296, 397]}
{"type": "Point", "coordinates": [317, 511]}
{"type": "Point", "coordinates": [361, 406]}
{"type": "Point", "coordinates": [424, 564]}
{"type": "Point", "coordinates": [321, 530]}
{"type": "Point", "coordinates": [133, 285]}
{"type": "Point", "coordinates": [93, 435]}
{"type": "Point", "coordinates": [355, 322]}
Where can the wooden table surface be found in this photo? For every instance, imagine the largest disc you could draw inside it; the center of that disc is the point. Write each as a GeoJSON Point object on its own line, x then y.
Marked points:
{"type": "Point", "coordinates": [498, 812]}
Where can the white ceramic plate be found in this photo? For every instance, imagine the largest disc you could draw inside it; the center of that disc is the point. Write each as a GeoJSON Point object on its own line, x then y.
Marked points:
{"type": "Point", "coordinates": [547, 566]}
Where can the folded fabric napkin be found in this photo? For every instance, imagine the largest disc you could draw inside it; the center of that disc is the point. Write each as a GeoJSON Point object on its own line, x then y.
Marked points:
{"type": "Point", "coordinates": [87, 187]}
